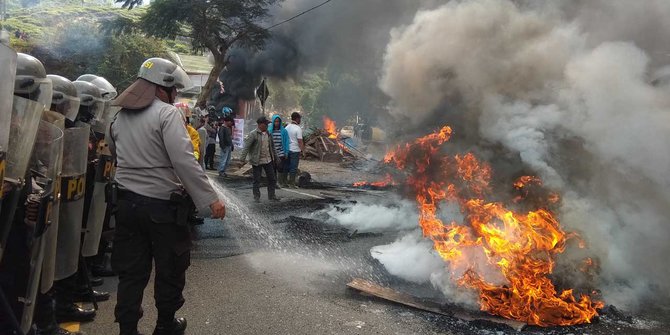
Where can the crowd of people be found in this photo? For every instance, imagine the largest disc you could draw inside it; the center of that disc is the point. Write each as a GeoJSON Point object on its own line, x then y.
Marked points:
{"type": "Point", "coordinates": [273, 147]}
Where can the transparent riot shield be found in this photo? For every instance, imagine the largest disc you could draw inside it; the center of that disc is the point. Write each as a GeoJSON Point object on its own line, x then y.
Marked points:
{"type": "Point", "coordinates": [101, 122]}
{"type": "Point", "coordinates": [7, 73]}
{"type": "Point", "coordinates": [104, 171]}
{"type": "Point", "coordinates": [44, 165]}
{"type": "Point", "coordinates": [73, 186]}
{"type": "Point", "coordinates": [25, 120]}
{"type": "Point", "coordinates": [51, 235]}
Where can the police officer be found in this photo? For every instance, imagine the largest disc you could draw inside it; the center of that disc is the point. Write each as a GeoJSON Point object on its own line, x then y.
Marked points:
{"type": "Point", "coordinates": [65, 102]}
{"type": "Point", "coordinates": [154, 161]}
{"type": "Point", "coordinates": [32, 93]}
{"type": "Point", "coordinates": [96, 242]}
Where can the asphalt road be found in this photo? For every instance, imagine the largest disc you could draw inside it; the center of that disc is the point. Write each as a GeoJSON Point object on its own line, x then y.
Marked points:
{"type": "Point", "coordinates": [254, 273]}
{"type": "Point", "coordinates": [240, 282]}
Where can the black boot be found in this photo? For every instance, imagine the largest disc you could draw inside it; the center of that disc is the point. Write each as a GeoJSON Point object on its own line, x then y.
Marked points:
{"type": "Point", "coordinates": [45, 318]}
{"type": "Point", "coordinates": [83, 295]}
{"type": "Point", "coordinates": [97, 281]}
{"type": "Point", "coordinates": [69, 312]}
{"type": "Point", "coordinates": [177, 327]}
{"type": "Point", "coordinates": [102, 271]}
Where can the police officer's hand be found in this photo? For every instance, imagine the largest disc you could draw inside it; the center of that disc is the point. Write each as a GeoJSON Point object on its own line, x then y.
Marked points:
{"type": "Point", "coordinates": [218, 209]}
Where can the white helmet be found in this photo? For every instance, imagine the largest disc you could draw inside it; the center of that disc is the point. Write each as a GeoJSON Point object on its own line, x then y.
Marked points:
{"type": "Point", "coordinates": [106, 88]}
{"type": "Point", "coordinates": [164, 73]}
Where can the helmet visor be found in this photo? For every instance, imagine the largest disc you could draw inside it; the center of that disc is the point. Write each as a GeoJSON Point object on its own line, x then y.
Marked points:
{"type": "Point", "coordinates": [108, 91]}
{"type": "Point", "coordinates": [68, 106]}
{"type": "Point", "coordinates": [91, 108]}
{"type": "Point", "coordinates": [44, 93]}
{"type": "Point", "coordinates": [181, 80]}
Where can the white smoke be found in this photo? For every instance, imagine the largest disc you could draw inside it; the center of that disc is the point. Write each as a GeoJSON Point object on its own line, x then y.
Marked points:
{"type": "Point", "coordinates": [394, 215]}
{"type": "Point", "coordinates": [411, 251]}
{"type": "Point", "coordinates": [569, 91]}
{"type": "Point", "coordinates": [413, 258]}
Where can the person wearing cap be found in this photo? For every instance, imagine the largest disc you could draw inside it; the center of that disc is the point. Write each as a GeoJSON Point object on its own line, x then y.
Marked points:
{"type": "Point", "coordinates": [155, 164]}
{"type": "Point", "coordinates": [258, 146]}
{"type": "Point", "coordinates": [226, 144]}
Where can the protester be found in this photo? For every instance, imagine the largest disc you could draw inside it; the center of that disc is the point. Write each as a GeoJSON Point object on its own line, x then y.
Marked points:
{"type": "Point", "coordinates": [194, 136]}
{"type": "Point", "coordinates": [202, 133]}
{"type": "Point", "coordinates": [258, 146]}
{"type": "Point", "coordinates": [210, 151]}
{"type": "Point", "coordinates": [226, 144]}
{"type": "Point", "coordinates": [296, 146]}
{"type": "Point", "coordinates": [280, 141]}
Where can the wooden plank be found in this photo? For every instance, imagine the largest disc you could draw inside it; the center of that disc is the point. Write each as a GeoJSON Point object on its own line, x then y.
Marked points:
{"type": "Point", "coordinates": [325, 147]}
{"type": "Point", "coordinates": [389, 294]}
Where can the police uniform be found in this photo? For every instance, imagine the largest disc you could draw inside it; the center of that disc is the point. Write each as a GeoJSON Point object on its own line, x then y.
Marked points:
{"type": "Point", "coordinates": [155, 162]}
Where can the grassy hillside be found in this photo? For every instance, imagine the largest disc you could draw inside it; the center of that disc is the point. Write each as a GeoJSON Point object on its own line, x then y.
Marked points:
{"type": "Point", "coordinates": [70, 42]}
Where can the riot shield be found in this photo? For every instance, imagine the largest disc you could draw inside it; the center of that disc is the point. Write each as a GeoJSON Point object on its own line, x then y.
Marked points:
{"type": "Point", "coordinates": [73, 186]}
{"type": "Point", "coordinates": [103, 175]}
{"type": "Point", "coordinates": [25, 120]}
{"type": "Point", "coordinates": [7, 73]}
{"type": "Point", "coordinates": [104, 171]}
{"type": "Point", "coordinates": [101, 122]}
{"type": "Point", "coordinates": [51, 235]}
{"type": "Point", "coordinates": [44, 165]}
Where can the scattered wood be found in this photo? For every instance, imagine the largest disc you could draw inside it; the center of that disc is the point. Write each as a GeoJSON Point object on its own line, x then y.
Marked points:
{"type": "Point", "coordinates": [318, 145]}
{"type": "Point", "coordinates": [389, 294]}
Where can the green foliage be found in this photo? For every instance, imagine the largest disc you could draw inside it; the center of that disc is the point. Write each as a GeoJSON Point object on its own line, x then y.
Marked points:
{"type": "Point", "coordinates": [125, 55]}
{"type": "Point", "coordinates": [69, 41]}
{"type": "Point", "coordinates": [212, 25]}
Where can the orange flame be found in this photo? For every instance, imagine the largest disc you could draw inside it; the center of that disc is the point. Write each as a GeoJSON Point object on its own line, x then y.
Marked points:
{"type": "Point", "coordinates": [330, 127]}
{"type": "Point", "coordinates": [519, 247]}
{"type": "Point", "coordinates": [388, 180]}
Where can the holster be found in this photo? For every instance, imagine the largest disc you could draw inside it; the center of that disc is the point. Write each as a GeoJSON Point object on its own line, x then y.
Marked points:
{"type": "Point", "coordinates": [112, 193]}
{"type": "Point", "coordinates": [184, 205]}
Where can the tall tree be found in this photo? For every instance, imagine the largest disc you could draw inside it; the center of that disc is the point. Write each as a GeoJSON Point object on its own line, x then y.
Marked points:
{"type": "Point", "coordinates": [213, 25]}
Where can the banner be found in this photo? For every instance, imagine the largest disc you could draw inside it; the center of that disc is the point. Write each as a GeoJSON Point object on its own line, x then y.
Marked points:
{"type": "Point", "coordinates": [238, 134]}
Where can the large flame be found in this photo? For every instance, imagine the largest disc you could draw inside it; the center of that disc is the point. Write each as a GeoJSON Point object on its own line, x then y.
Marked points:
{"type": "Point", "coordinates": [330, 127]}
{"type": "Point", "coordinates": [519, 246]}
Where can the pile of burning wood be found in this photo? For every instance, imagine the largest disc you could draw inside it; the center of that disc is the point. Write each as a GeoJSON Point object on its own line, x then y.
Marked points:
{"type": "Point", "coordinates": [327, 145]}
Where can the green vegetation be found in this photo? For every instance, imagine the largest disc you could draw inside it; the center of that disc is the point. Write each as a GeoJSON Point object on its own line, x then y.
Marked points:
{"type": "Point", "coordinates": [70, 42]}
{"type": "Point", "coordinates": [213, 25]}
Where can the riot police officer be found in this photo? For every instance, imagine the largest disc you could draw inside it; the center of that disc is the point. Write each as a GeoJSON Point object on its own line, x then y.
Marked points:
{"type": "Point", "coordinates": [28, 187]}
{"type": "Point", "coordinates": [154, 161]}
{"type": "Point", "coordinates": [71, 284]}
{"type": "Point", "coordinates": [65, 102]}
{"type": "Point", "coordinates": [98, 213]}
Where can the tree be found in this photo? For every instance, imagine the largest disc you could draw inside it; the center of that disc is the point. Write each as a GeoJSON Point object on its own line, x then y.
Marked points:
{"type": "Point", "coordinates": [213, 25]}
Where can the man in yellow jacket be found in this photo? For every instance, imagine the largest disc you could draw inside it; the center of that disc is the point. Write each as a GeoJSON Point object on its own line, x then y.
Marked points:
{"type": "Point", "coordinates": [195, 139]}
{"type": "Point", "coordinates": [192, 133]}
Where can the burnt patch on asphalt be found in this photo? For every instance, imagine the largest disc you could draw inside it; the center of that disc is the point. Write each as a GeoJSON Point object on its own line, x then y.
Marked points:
{"type": "Point", "coordinates": [315, 231]}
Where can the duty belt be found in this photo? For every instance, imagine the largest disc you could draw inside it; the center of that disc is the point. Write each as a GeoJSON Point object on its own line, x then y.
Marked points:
{"type": "Point", "coordinates": [138, 198]}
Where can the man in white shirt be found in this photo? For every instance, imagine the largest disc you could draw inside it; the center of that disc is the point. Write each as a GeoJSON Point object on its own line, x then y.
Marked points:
{"type": "Point", "coordinates": [296, 146]}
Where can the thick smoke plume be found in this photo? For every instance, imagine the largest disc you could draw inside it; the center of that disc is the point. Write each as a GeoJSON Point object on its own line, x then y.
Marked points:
{"type": "Point", "coordinates": [343, 39]}
{"type": "Point", "coordinates": [566, 88]}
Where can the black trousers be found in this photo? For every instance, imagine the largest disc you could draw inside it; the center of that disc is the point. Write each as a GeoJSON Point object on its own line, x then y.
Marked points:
{"type": "Point", "coordinates": [270, 173]}
{"type": "Point", "coordinates": [210, 151]}
{"type": "Point", "coordinates": [147, 230]}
